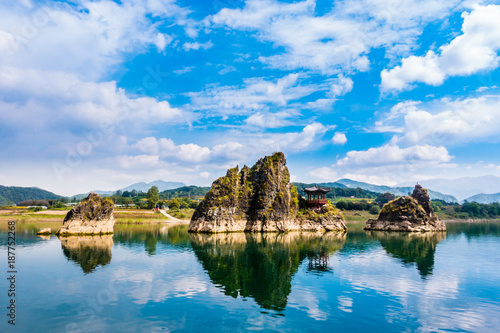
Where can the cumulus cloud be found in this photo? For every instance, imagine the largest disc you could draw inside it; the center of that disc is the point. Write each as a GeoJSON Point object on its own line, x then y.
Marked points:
{"type": "Point", "coordinates": [87, 39]}
{"type": "Point", "coordinates": [448, 122]}
{"type": "Point", "coordinates": [62, 97]}
{"type": "Point", "coordinates": [248, 147]}
{"type": "Point", "coordinates": [390, 154]}
{"type": "Point", "coordinates": [475, 50]}
{"type": "Point", "coordinates": [339, 139]}
{"type": "Point", "coordinates": [337, 41]}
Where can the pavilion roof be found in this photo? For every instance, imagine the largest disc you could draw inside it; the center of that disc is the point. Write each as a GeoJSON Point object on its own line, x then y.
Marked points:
{"type": "Point", "coordinates": [316, 188]}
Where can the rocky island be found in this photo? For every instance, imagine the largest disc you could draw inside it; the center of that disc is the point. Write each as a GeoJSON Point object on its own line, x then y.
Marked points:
{"type": "Point", "coordinates": [93, 216]}
{"type": "Point", "coordinates": [261, 199]}
{"type": "Point", "coordinates": [408, 213]}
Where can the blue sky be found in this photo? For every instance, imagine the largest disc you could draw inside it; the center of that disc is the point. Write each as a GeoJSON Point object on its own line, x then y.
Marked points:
{"type": "Point", "coordinates": [101, 94]}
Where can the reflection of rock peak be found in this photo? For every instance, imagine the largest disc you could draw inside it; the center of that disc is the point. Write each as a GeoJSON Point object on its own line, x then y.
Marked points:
{"type": "Point", "coordinates": [88, 251]}
{"type": "Point", "coordinates": [418, 248]}
{"type": "Point", "coordinates": [259, 265]}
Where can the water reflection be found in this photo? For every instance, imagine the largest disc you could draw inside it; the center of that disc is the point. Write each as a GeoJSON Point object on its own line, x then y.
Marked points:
{"type": "Point", "coordinates": [261, 266]}
{"type": "Point", "coordinates": [44, 237]}
{"type": "Point", "coordinates": [418, 248]}
{"type": "Point", "coordinates": [473, 230]}
{"type": "Point", "coordinates": [149, 235]}
{"type": "Point", "coordinates": [88, 251]}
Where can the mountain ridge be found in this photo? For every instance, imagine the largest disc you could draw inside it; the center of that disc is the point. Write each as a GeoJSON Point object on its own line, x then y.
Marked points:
{"type": "Point", "coordinates": [397, 191]}
{"type": "Point", "coordinates": [463, 187]}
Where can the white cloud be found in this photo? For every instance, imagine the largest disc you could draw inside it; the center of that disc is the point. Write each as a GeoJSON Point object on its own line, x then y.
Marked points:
{"type": "Point", "coordinates": [88, 39]}
{"type": "Point", "coordinates": [166, 148]}
{"type": "Point", "coordinates": [242, 148]}
{"type": "Point", "coordinates": [446, 121]}
{"type": "Point", "coordinates": [255, 95]}
{"type": "Point", "coordinates": [196, 46]}
{"type": "Point", "coordinates": [339, 40]}
{"type": "Point", "coordinates": [183, 70]}
{"type": "Point", "coordinates": [339, 139]}
{"type": "Point", "coordinates": [270, 120]}
{"type": "Point", "coordinates": [205, 174]}
{"type": "Point", "coordinates": [162, 40]}
{"type": "Point", "coordinates": [392, 154]}
{"type": "Point", "coordinates": [64, 97]}
{"type": "Point", "coordinates": [138, 161]}
{"type": "Point", "coordinates": [473, 51]}
{"type": "Point", "coordinates": [371, 179]}
{"type": "Point", "coordinates": [324, 173]}
{"type": "Point", "coordinates": [340, 86]}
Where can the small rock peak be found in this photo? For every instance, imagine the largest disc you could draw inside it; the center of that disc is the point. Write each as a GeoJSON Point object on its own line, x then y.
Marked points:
{"type": "Point", "coordinates": [408, 213]}
{"type": "Point", "coordinates": [420, 194]}
{"type": "Point", "coordinates": [94, 215]}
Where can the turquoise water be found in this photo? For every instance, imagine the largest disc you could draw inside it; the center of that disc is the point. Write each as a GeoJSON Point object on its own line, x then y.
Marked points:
{"type": "Point", "coordinates": [155, 278]}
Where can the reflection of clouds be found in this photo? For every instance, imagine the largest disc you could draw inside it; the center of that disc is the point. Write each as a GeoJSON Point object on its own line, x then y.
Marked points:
{"type": "Point", "coordinates": [436, 303]}
{"type": "Point", "coordinates": [158, 278]}
{"type": "Point", "coordinates": [345, 303]}
{"type": "Point", "coordinates": [304, 299]}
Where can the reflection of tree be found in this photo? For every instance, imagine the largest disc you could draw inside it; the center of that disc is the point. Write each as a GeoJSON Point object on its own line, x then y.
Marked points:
{"type": "Point", "coordinates": [88, 251]}
{"type": "Point", "coordinates": [149, 235]}
{"type": "Point", "coordinates": [259, 265]}
{"type": "Point", "coordinates": [418, 248]}
{"type": "Point", "coordinates": [473, 230]}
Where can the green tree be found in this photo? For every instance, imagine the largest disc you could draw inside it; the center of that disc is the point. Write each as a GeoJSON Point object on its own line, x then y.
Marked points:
{"type": "Point", "coordinates": [375, 209]}
{"type": "Point", "coordinates": [153, 196]}
{"type": "Point", "coordinates": [384, 198]}
{"type": "Point", "coordinates": [175, 204]}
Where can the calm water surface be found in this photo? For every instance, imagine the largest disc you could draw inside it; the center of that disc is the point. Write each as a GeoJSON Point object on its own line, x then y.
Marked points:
{"type": "Point", "coordinates": [158, 278]}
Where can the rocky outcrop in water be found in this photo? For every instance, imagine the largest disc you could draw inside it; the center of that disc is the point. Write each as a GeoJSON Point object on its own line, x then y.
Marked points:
{"type": "Point", "coordinates": [408, 213]}
{"type": "Point", "coordinates": [260, 199]}
{"type": "Point", "coordinates": [93, 216]}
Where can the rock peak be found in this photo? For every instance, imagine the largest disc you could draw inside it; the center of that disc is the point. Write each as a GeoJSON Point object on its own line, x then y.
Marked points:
{"type": "Point", "coordinates": [94, 215]}
{"type": "Point", "coordinates": [408, 213]}
{"type": "Point", "coordinates": [260, 198]}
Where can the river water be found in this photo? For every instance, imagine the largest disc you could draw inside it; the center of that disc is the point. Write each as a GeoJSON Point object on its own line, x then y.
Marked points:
{"type": "Point", "coordinates": [160, 278]}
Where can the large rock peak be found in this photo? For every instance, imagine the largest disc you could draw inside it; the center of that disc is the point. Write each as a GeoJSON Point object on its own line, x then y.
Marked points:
{"type": "Point", "coordinates": [260, 198]}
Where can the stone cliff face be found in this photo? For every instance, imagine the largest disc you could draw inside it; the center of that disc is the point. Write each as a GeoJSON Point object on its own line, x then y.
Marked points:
{"type": "Point", "coordinates": [408, 213]}
{"type": "Point", "coordinates": [93, 216]}
{"type": "Point", "coordinates": [259, 199]}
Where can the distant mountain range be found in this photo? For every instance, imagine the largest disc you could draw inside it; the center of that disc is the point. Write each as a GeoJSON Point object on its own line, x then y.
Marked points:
{"type": "Point", "coordinates": [484, 198]}
{"type": "Point", "coordinates": [462, 188]}
{"type": "Point", "coordinates": [139, 187]}
{"type": "Point", "coordinates": [466, 188]}
{"type": "Point", "coordinates": [397, 191]}
{"type": "Point", "coordinates": [15, 194]}
{"type": "Point", "coordinates": [162, 186]}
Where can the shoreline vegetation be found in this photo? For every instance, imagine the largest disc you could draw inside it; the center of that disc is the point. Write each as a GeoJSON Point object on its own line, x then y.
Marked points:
{"type": "Point", "coordinates": [143, 216]}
